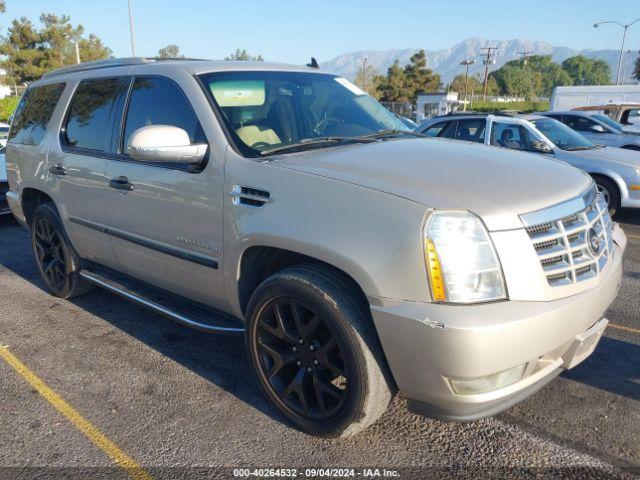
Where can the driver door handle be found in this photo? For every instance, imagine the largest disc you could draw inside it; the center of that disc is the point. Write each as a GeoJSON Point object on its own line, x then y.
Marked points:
{"type": "Point", "coordinates": [121, 183]}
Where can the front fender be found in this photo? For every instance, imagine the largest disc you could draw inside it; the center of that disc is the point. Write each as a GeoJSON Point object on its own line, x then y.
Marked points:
{"type": "Point", "coordinates": [372, 236]}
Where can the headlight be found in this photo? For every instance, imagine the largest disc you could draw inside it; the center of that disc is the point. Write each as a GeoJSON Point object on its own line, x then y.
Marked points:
{"type": "Point", "coordinates": [461, 261]}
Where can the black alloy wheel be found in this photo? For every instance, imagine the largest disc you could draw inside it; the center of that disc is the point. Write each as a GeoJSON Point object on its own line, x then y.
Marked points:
{"type": "Point", "coordinates": [302, 359]}
{"type": "Point", "coordinates": [50, 253]}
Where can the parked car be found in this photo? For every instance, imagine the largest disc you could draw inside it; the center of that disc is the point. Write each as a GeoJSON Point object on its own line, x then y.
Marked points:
{"type": "Point", "coordinates": [598, 128]}
{"type": "Point", "coordinates": [4, 132]}
{"type": "Point", "coordinates": [567, 98]}
{"type": "Point", "coordinates": [284, 203]}
{"type": "Point", "coordinates": [4, 185]}
{"type": "Point", "coordinates": [626, 114]}
{"type": "Point", "coordinates": [616, 171]}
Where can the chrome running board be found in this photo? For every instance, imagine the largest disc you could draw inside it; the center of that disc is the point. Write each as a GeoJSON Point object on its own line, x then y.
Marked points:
{"type": "Point", "coordinates": [224, 326]}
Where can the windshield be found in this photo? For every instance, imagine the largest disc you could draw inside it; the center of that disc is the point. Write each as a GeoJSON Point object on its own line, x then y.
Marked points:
{"type": "Point", "coordinates": [563, 136]}
{"type": "Point", "coordinates": [267, 111]}
{"type": "Point", "coordinates": [612, 123]}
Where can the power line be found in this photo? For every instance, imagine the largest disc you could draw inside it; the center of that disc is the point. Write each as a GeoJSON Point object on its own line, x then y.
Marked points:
{"type": "Point", "coordinates": [526, 54]}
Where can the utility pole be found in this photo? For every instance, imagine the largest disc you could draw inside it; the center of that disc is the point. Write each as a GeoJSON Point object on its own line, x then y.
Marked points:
{"type": "Point", "coordinates": [466, 64]}
{"type": "Point", "coordinates": [526, 54]}
{"type": "Point", "coordinates": [488, 60]}
{"type": "Point", "coordinates": [364, 74]}
{"type": "Point", "coordinates": [624, 37]}
{"type": "Point", "coordinates": [131, 31]}
{"type": "Point", "coordinates": [77, 52]}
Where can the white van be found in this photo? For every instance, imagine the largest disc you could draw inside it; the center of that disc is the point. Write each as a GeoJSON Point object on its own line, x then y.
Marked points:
{"type": "Point", "coordinates": [568, 98]}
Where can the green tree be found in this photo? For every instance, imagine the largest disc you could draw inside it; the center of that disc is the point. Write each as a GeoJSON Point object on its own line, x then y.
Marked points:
{"type": "Point", "coordinates": [538, 76]}
{"type": "Point", "coordinates": [636, 69]}
{"type": "Point", "coordinates": [92, 48]}
{"type": "Point", "coordinates": [170, 51]}
{"type": "Point", "coordinates": [587, 71]}
{"type": "Point", "coordinates": [393, 88]}
{"type": "Point", "coordinates": [243, 55]}
{"type": "Point", "coordinates": [475, 85]}
{"type": "Point", "coordinates": [419, 78]}
{"type": "Point", "coordinates": [367, 80]}
{"type": "Point", "coordinates": [29, 52]}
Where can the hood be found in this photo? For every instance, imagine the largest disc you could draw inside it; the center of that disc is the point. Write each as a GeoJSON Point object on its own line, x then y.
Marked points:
{"type": "Point", "coordinates": [3, 169]}
{"type": "Point", "coordinates": [495, 183]}
{"type": "Point", "coordinates": [619, 156]}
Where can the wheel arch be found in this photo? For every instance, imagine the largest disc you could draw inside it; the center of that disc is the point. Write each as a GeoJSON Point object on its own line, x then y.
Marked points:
{"type": "Point", "coordinates": [30, 199]}
{"type": "Point", "coordinates": [615, 178]}
{"type": "Point", "coordinates": [257, 262]}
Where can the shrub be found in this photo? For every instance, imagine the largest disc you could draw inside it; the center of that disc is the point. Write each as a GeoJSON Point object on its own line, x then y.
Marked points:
{"type": "Point", "coordinates": [8, 105]}
{"type": "Point", "coordinates": [526, 106]}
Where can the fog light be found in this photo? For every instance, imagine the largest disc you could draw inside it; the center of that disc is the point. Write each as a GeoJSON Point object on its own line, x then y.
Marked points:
{"type": "Point", "coordinates": [489, 383]}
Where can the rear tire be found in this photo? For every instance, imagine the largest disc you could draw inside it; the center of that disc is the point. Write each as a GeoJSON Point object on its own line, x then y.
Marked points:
{"type": "Point", "coordinates": [57, 262]}
{"type": "Point", "coordinates": [609, 191]}
{"type": "Point", "coordinates": [313, 347]}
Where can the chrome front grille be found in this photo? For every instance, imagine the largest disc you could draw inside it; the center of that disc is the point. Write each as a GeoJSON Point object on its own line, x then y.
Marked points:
{"type": "Point", "coordinates": [566, 246]}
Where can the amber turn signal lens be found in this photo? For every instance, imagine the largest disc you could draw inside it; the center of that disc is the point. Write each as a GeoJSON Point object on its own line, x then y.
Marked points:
{"type": "Point", "coordinates": [435, 272]}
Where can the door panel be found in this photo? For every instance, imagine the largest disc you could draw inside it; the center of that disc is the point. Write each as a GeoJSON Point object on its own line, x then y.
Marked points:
{"type": "Point", "coordinates": [167, 229]}
{"type": "Point", "coordinates": [79, 164]}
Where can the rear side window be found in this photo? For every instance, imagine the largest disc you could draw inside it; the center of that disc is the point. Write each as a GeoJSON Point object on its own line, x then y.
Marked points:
{"type": "Point", "coordinates": [436, 130]}
{"type": "Point", "coordinates": [94, 114]}
{"type": "Point", "coordinates": [470, 130]}
{"type": "Point", "coordinates": [33, 114]}
{"type": "Point", "coordinates": [158, 101]}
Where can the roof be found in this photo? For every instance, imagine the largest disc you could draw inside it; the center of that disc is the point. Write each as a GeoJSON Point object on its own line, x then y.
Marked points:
{"type": "Point", "coordinates": [609, 106]}
{"type": "Point", "coordinates": [462, 115]}
{"type": "Point", "coordinates": [196, 66]}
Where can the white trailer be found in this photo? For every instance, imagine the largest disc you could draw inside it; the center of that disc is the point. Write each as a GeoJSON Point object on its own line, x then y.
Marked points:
{"type": "Point", "coordinates": [568, 98]}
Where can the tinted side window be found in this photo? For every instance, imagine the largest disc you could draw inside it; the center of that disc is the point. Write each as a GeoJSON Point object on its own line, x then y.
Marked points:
{"type": "Point", "coordinates": [33, 114]}
{"type": "Point", "coordinates": [94, 114]}
{"type": "Point", "coordinates": [436, 130]}
{"type": "Point", "coordinates": [471, 130]}
{"type": "Point", "coordinates": [509, 135]}
{"type": "Point", "coordinates": [580, 124]}
{"type": "Point", "coordinates": [158, 101]}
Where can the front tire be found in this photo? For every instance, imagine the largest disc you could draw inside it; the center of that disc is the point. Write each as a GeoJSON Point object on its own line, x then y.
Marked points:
{"type": "Point", "coordinates": [58, 264]}
{"type": "Point", "coordinates": [609, 190]}
{"type": "Point", "coordinates": [313, 348]}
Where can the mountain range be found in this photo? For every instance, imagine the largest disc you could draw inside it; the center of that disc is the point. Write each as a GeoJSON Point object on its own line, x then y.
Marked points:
{"type": "Point", "coordinates": [447, 62]}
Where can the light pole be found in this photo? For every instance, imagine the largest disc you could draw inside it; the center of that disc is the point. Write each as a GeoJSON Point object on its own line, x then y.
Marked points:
{"type": "Point", "coordinates": [133, 42]}
{"type": "Point", "coordinates": [624, 36]}
{"type": "Point", "coordinates": [466, 64]}
{"type": "Point", "coordinates": [77, 52]}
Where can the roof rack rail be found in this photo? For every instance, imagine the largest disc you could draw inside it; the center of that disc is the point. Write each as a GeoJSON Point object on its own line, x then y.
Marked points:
{"type": "Point", "coordinates": [112, 62]}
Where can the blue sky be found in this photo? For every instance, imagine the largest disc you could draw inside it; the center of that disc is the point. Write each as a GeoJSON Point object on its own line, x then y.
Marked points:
{"type": "Point", "coordinates": [294, 30]}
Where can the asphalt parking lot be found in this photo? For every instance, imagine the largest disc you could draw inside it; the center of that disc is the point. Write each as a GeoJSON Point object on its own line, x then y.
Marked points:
{"type": "Point", "coordinates": [130, 394]}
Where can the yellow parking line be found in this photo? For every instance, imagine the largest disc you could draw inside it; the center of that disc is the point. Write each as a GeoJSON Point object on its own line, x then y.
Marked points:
{"type": "Point", "coordinates": [625, 329]}
{"type": "Point", "coordinates": [125, 462]}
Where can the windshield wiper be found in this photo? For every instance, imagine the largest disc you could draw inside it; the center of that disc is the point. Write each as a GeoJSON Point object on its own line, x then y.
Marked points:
{"type": "Point", "coordinates": [575, 149]}
{"type": "Point", "coordinates": [315, 142]}
{"type": "Point", "coordinates": [393, 132]}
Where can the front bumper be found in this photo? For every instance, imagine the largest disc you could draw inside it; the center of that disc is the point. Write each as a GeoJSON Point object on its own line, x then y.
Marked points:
{"type": "Point", "coordinates": [428, 344]}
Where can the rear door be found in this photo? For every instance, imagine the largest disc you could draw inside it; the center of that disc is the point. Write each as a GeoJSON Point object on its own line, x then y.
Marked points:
{"type": "Point", "coordinates": [77, 163]}
{"type": "Point", "coordinates": [167, 227]}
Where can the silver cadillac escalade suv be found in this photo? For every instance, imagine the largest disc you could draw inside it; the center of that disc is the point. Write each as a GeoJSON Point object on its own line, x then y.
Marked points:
{"type": "Point", "coordinates": [285, 204]}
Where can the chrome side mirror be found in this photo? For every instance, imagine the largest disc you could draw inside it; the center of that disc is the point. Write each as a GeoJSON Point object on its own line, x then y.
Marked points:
{"type": "Point", "coordinates": [164, 144]}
